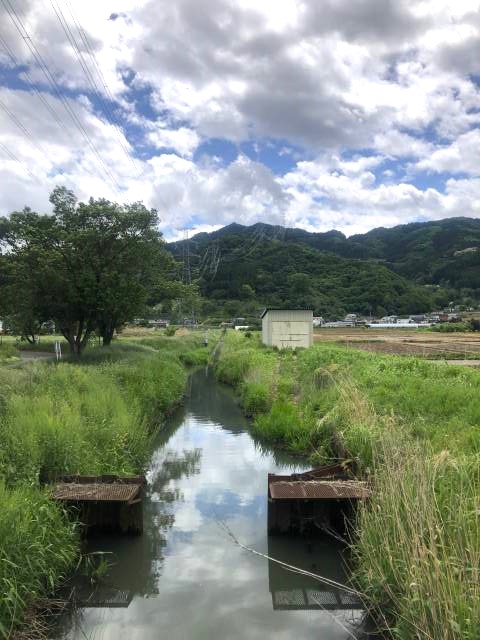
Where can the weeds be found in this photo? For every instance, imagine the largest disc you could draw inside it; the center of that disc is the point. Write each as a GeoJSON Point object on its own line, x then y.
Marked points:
{"type": "Point", "coordinates": [415, 428]}
{"type": "Point", "coordinates": [38, 546]}
{"type": "Point", "coordinates": [418, 548]}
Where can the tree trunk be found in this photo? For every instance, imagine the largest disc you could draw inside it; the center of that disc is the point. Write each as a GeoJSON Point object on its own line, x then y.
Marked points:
{"type": "Point", "coordinates": [77, 336]}
{"type": "Point", "coordinates": [107, 338]}
{"type": "Point", "coordinates": [107, 329]}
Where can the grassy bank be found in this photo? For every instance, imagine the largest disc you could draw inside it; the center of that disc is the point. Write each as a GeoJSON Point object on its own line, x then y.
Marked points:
{"type": "Point", "coordinates": [412, 426]}
{"type": "Point", "coordinates": [95, 416]}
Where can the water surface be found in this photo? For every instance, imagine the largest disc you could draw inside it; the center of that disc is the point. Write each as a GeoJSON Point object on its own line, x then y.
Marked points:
{"type": "Point", "coordinates": [185, 578]}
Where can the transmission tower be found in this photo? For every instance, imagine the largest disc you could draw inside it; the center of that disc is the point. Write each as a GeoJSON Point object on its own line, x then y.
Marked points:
{"type": "Point", "coordinates": [186, 270]}
{"type": "Point", "coordinates": [186, 267]}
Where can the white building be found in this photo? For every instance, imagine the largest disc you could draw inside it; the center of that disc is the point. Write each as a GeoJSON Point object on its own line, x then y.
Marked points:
{"type": "Point", "coordinates": [287, 328]}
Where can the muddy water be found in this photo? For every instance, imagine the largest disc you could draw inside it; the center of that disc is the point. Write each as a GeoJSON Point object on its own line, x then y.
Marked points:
{"type": "Point", "coordinates": [185, 578]}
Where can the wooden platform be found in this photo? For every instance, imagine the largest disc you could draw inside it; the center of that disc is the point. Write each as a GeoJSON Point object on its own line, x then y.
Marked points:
{"type": "Point", "coordinates": [105, 502]}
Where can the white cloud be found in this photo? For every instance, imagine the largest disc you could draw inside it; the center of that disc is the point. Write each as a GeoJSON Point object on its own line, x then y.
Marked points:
{"type": "Point", "coordinates": [461, 156]}
{"type": "Point", "coordinates": [182, 140]}
{"type": "Point", "coordinates": [348, 86]}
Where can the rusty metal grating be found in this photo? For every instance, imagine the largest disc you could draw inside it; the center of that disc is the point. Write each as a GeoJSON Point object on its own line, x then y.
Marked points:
{"type": "Point", "coordinates": [319, 490]}
{"type": "Point", "coordinates": [98, 492]}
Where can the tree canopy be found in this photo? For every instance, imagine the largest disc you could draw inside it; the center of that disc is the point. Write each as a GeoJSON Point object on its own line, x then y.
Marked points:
{"type": "Point", "coordinates": [88, 266]}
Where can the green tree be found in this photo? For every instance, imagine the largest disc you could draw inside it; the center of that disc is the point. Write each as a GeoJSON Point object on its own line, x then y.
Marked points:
{"type": "Point", "coordinates": [89, 265]}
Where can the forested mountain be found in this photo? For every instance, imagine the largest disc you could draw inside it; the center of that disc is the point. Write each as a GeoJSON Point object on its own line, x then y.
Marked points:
{"type": "Point", "coordinates": [406, 269]}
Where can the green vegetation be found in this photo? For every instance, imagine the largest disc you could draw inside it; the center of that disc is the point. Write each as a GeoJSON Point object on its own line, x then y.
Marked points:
{"type": "Point", "coordinates": [38, 547]}
{"type": "Point", "coordinates": [451, 327]}
{"type": "Point", "coordinates": [407, 269]}
{"type": "Point", "coordinates": [93, 417]}
{"type": "Point", "coordinates": [413, 427]}
{"type": "Point", "coordinates": [89, 267]}
{"type": "Point", "coordinates": [8, 352]}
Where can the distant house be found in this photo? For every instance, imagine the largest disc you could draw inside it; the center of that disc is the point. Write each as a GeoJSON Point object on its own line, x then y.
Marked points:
{"type": "Point", "coordinates": [418, 318]}
{"type": "Point", "coordinates": [287, 328]}
{"type": "Point", "coordinates": [318, 321]}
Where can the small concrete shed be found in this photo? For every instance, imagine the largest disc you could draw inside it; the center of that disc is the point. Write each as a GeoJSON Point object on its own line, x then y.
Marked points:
{"type": "Point", "coordinates": [287, 328]}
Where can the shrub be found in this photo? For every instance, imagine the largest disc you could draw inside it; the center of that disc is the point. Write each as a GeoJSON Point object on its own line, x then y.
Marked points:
{"type": "Point", "coordinates": [451, 327]}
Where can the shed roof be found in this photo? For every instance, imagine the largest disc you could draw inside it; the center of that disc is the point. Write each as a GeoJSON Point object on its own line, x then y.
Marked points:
{"type": "Point", "coordinates": [267, 309]}
{"type": "Point", "coordinates": [319, 490]}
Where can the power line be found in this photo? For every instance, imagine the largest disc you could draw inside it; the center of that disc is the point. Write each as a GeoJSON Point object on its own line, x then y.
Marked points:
{"type": "Point", "coordinates": [17, 22]}
{"type": "Point", "coordinates": [31, 84]}
{"type": "Point", "coordinates": [13, 157]}
{"type": "Point", "coordinates": [88, 74]}
{"type": "Point", "coordinates": [187, 271]}
{"type": "Point", "coordinates": [104, 83]}
{"type": "Point", "coordinates": [22, 127]}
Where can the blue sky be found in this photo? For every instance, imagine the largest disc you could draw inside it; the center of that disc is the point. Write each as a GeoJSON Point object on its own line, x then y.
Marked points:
{"type": "Point", "coordinates": [348, 117]}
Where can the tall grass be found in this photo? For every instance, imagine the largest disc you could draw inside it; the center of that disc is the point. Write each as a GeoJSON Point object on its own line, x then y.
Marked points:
{"type": "Point", "coordinates": [414, 428]}
{"type": "Point", "coordinates": [418, 548]}
{"type": "Point", "coordinates": [89, 419]}
{"type": "Point", "coordinates": [251, 370]}
{"type": "Point", "coordinates": [93, 417]}
{"type": "Point", "coordinates": [37, 547]}
{"type": "Point", "coordinates": [8, 352]}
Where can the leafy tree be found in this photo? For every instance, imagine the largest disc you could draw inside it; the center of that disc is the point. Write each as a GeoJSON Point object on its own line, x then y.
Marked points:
{"type": "Point", "coordinates": [87, 266]}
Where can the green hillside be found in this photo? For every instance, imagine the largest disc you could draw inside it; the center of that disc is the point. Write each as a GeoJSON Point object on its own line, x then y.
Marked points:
{"type": "Point", "coordinates": [406, 269]}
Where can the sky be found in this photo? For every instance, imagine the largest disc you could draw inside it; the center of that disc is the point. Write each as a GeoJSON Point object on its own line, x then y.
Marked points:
{"type": "Point", "coordinates": [339, 114]}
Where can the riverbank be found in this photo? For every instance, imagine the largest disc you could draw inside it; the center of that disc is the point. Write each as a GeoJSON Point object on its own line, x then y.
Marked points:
{"type": "Point", "coordinates": [185, 575]}
{"type": "Point", "coordinates": [94, 416]}
{"type": "Point", "coordinates": [411, 426]}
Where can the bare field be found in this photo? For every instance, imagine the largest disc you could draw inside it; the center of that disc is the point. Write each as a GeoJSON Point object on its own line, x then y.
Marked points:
{"type": "Point", "coordinates": [409, 342]}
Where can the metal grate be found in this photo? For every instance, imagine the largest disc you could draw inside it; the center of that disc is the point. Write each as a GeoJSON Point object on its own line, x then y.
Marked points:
{"type": "Point", "coordinates": [319, 490]}
{"type": "Point", "coordinates": [97, 492]}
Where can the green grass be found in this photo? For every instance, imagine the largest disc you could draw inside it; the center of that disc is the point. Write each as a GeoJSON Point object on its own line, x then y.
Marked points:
{"type": "Point", "coordinates": [94, 416]}
{"type": "Point", "coordinates": [38, 547]}
{"type": "Point", "coordinates": [418, 548]}
{"type": "Point", "coordinates": [8, 353]}
{"type": "Point", "coordinates": [413, 428]}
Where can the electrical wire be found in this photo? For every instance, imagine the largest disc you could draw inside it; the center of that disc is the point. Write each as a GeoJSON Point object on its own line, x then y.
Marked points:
{"type": "Point", "coordinates": [13, 157]}
{"type": "Point", "coordinates": [18, 24]}
{"type": "Point", "coordinates": [89, 75]}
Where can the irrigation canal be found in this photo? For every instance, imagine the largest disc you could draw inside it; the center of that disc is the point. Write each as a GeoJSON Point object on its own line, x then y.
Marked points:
{"type": "Point", "coordinates": [185, 578]}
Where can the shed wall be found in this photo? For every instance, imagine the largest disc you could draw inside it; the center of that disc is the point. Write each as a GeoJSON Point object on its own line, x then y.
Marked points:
{"type": "Point", "coordinates": [287, 328]}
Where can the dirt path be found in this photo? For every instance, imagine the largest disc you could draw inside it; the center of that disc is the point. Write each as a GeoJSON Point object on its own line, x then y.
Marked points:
{"type": "Point", "coordinates": [28, 356]}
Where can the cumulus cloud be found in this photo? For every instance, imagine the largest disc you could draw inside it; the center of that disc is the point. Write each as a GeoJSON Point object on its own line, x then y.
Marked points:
{"type": "Point", "coordinates": [183, 140]}
{"type": "Point", "coordinates": [362, 100]}
{"type": "Point", "coordinates": [461, 156]}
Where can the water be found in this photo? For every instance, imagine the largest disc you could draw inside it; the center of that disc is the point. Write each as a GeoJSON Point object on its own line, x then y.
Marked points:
{"type": "Point", "coordinates": [185, 578]}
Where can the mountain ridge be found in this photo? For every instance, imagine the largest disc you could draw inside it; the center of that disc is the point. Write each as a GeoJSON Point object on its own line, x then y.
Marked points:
{"type": "Point", "coordinates": [407, 268]}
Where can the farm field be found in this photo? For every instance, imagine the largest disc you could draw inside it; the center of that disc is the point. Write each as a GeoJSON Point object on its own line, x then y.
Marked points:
{"type": "Point", "coordinates": [408, 342]}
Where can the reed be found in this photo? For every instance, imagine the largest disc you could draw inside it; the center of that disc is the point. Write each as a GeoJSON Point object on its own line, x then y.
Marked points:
{"type": "Point", "coordinates": [418, 547]}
